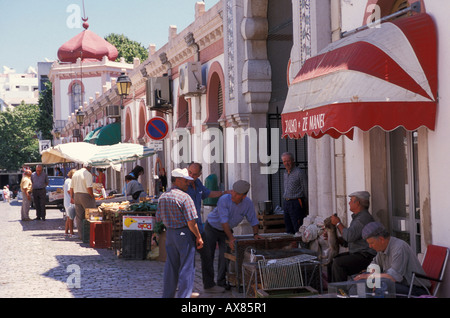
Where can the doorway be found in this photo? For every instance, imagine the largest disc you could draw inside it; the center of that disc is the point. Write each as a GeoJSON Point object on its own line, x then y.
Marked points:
{"type": "Point", "coordinates": [403, 187]}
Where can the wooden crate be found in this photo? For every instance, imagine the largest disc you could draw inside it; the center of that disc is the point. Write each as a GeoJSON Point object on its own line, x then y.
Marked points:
{"type": "Point", "coordinates": [116, 218]}
{"type": "Point", "coordinates": [272, 223]}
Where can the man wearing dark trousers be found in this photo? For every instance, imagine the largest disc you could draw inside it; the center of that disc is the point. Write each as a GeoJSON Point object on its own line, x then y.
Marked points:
{"type": "Point", "coordinates": [39, 181]}
{"type": "Point", "coordinates": [295, 194]}
{"type": "Point", "coordinates": [359, 253]}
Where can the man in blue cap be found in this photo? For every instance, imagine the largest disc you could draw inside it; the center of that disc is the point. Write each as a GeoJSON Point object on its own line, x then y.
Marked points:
{"type": "Point", "coordinates": [396, 259]}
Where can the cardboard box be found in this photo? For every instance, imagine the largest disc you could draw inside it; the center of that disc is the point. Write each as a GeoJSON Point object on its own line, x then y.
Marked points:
{"type": "Point", "coordinates": [138, 223]}
{"type": "Point", "coordinates": [95, 212]}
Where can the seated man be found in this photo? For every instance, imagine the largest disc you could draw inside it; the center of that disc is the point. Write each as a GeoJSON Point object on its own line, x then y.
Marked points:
{"type": "Point", "coordinates": [396, 259]}
{"type": "Point", "coordinates": [359, 253]}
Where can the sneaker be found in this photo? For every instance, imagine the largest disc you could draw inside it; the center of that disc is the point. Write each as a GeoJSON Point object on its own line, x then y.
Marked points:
{"type": "Point", "coordinates": [195, 295]}
{"type": "Point", "coordinates": [215, 289]}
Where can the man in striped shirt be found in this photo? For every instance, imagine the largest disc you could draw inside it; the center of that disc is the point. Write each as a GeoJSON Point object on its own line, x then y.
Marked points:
{"type": "Point", "coordinates": [177, 212]}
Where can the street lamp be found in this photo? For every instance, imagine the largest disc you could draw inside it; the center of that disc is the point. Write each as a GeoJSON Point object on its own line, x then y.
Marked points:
{"type": "Point", "coordinates": [80, 116]}
{"type": "Point", "coordinates": [123, 87]}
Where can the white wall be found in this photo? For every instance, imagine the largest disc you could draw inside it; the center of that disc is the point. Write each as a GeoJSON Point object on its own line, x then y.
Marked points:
{"type": "Point", "coordinates": [439, 145]}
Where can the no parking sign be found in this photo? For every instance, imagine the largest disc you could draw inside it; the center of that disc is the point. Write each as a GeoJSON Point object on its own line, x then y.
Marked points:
{"type": "Point", "coordinates": [157, 128]}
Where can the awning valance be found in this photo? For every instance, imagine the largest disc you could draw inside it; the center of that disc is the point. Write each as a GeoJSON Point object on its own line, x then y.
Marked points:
{"type": "Point", "coordinates": [384, 76]}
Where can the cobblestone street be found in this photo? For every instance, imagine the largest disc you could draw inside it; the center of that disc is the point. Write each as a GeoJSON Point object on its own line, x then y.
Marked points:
{"type": "Point", "coordinates": [38, 261]}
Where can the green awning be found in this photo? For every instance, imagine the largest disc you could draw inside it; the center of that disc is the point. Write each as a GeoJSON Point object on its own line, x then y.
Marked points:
{"type": "Point", "coordinates": [89, 136]}
{"type": "Point", "coordinates": [107, 135]}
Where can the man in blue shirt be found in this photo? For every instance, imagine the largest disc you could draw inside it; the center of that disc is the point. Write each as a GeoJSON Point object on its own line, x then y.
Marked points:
{"type": "Point", "coordinates": [39, 181]}
{"type": "Point", "coordinates": [199, 192]}
{"type": "Point", "coordinates": [230, 211]}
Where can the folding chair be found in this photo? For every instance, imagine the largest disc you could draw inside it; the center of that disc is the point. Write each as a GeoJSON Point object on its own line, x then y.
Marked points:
{"type": "Point", "coordinates": [434, 262]}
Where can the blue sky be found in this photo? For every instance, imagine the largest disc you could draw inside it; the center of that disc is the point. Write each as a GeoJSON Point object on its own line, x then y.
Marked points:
{"type": "Point", "coordinates": [34, 30]}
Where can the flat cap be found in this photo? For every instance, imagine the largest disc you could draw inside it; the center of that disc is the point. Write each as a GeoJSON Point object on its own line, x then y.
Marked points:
{"type": "Point", "coordinates": [372, 229]}
{"type": "Point", "coordinates": [241, 186]}
{"type": "Point", "coordinates": [361, 195]}
{"type": "Point", "coordinates": [181, 173]}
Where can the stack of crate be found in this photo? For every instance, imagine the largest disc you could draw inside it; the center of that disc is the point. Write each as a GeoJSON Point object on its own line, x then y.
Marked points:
{"type": "Point", "coordinates": [271, 223]}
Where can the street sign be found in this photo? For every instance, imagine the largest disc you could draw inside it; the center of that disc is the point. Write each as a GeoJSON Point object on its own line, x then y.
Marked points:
{"type": "Point", "coordinates": [157, 145]}
{"type": "Point", "coordinates": [44, 145]}
{"type": "Point", "coordinates": [157, 128]}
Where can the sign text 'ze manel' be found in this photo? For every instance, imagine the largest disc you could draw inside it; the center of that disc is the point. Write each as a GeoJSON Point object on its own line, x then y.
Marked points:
{"type": "Point", "coordinates": [138, 223]}
{"type": "Point", "coordinates": [304, 124]}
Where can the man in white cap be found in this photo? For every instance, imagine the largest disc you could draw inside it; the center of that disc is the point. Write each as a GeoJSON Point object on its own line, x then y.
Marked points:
{"type": "Point", "coordinates": [396, 259]}
{"type": "Point", "coordinates": [177, 212]}
{"type": "Point", "coordinates": [230, 211]}
{"type": "Point", "coordinates": [359, 253]}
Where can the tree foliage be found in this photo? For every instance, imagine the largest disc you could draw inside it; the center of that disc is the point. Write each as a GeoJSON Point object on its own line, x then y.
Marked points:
{"type": "Point", "coordinates": [19, 129]}
{"type": "Point", "coordinates": [18, 141]}
{"type": "Point", "coordinates": [127, 48]}
{"type": "Point", "coordinates": [45, 122]}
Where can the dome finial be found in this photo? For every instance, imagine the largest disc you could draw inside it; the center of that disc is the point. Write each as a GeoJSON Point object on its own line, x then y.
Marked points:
{"type": "Point", "coordinates": [85, 24]}
{"type": "Point", "coordinates": [84, 18]}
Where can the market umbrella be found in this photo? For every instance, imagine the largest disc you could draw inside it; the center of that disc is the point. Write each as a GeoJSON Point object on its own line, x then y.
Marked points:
{"type": "Point", "coordinates": [78, 152]}
{"type": "Point", "coordinates": [115, 155]}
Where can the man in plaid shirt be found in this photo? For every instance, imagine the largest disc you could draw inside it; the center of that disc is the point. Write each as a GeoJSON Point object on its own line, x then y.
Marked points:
{"type": "Point", "coordinates": [177, 211]}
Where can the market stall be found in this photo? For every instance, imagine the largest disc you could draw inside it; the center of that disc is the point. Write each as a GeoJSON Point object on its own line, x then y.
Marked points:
{"type": "Point", "coordinates": [131, 226]}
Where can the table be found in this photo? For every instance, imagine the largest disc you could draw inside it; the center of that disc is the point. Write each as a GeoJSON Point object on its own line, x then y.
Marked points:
{"type": "Point", "coordinates": [242, 242]}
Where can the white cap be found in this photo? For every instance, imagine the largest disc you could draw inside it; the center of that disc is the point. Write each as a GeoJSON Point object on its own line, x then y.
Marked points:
{"type": "Point", "coordinates": [181, 173]}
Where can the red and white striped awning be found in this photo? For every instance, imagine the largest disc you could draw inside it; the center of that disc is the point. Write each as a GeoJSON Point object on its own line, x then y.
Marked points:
{"type": "Point", "coordinates": [384, 76]}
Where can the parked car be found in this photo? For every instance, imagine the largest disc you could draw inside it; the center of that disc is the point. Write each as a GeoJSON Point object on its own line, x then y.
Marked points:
{"type": "Point", "coordinates": [55, 192]}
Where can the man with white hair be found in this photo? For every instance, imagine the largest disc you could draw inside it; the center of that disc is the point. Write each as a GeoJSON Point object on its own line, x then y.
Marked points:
{"type": "Point", "coordinates": [82, 193]}
{"type": "Point", "coordinates": [359, 253]}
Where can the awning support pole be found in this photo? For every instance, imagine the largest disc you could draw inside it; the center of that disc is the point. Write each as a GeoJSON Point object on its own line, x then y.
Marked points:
{"type": "Point", "coordinates": [415, 7]}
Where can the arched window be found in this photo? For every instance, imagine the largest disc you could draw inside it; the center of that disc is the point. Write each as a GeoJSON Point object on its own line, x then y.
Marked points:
{"type": "Point", "coordinates": [142, 120]}
{"type": "Point", "coordinates": [128, 127]}
{"type": "Point", "coordinates": [76, 92]}
{"type": "Point", "coordinates": [183, 118]}
{"type": "Point", "coordinates": [215, 92]}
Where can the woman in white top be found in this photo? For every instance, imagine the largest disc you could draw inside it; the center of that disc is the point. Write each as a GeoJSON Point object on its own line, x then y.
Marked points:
{"type": "Point", "coordinates": [68, 205]}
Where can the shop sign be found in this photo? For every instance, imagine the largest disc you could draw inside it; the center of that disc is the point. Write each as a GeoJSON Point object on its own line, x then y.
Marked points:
{"type": "Point", "coordinates": [138, 223]}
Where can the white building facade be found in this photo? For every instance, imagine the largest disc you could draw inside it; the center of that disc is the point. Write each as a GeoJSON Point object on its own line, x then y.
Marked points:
{"type": "Point", "coordinates": [403, 169]}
